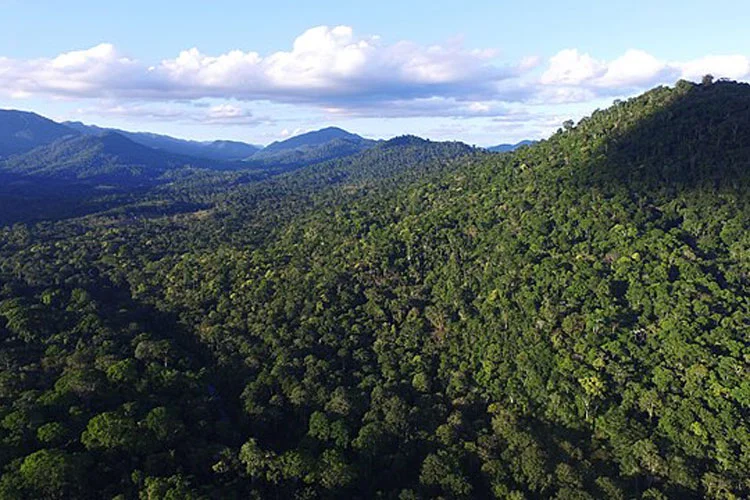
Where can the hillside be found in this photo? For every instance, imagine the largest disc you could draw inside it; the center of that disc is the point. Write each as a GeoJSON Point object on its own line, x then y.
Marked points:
{"type": "Point", "coordinates": [312, 147]}
{"type": "Point", "coordinates": [386, 167]}
{"type": "Point", "coordinates": [567, 321]}
{"type": "Point", "coordinates": [417, 320]}
{"type": "Point", "coordinates": [109, 157]}
{"type": "Point", "coordinates": [88, 174]}
{"type": "Point", "coordinates": [310, 139]}
{"type": "Point", "coordinates": [21, 132]}
{"type": "Point", "coordinates": [219, 150]}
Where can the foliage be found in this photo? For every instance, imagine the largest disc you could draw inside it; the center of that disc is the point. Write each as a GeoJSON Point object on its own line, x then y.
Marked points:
{"type": "Point", "coordinates": [418, 320]}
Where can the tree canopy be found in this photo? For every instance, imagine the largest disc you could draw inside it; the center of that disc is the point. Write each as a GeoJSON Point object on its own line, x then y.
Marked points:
{"type": "Point", "coordinates": [418, 320]}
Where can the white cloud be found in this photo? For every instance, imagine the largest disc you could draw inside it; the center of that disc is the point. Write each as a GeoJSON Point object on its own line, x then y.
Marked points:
{"type": "Point", "coordinates": [95, 71]}
{"type": "Point", "coordinates": [635, 68]}
{"type": "Point", "coordinates": [575, 77]}
{"type": "Point", "coordinates": [735, 67]}
{"type": "Point", "coordinates": [324, 65]}
{"type": "Point", "coordinates": [569, 67]}
{"type": "Point", "coordinates": [335, 70]}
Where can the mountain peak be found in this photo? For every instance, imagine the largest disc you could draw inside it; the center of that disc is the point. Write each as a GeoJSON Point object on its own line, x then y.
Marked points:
{"type": "Point", "coordinates": [313, 147]}
{"type": "Point", "coordinates": [504, 148]}
{"type": "Point", "coordinates": [220, 150]}
{"type": "Point", "coordinates": [312, 138]}
{"type": "Point", "coordinates": [22, 131]}
{"type": "Point", "coordinates": [333, 129]}
{"type": "Point", "coordinates": [406, 140]}
{"type": "Point", "coordinates": [109, 157]}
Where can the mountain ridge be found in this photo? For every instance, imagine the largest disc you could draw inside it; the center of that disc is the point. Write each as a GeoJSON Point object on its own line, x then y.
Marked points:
{"type": "Point", "coordinates": [504, 148]}
{"type": "Point", "coordinates": [316, 146]}
{"type": "Point", "coordinates": [107, 156]}
{"type": "Point", "coordinates": [22, 131]}
{"type": "Point", "coordinates": [222, 150]}
{"type": "Point", "coordinates": [312, 138]}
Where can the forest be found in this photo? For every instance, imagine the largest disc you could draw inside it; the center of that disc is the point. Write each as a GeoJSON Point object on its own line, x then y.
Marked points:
{"type": "Point", "coordinates": [412, 320]}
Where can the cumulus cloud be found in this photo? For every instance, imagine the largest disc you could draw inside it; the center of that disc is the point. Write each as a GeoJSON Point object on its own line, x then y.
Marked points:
{"type": "Point", "coordinates": [94, 72]}
{"type": "Point", "coordinates": [569, 67]}
{"type": "Point", "coordinates": [338, 71]}
{"type": "Point", "coordinates": [575, 77]}
{"type": "Point", "coordinates": [325, 64]}
{"type": "Point", "coordinates": [734, 67]}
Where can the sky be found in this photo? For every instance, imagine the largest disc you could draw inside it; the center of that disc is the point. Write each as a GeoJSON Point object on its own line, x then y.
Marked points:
{"type": "Point", "coordinates": [483, 72]}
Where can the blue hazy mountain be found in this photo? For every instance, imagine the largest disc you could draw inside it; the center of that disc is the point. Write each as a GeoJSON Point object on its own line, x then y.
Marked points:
{"type": "Point", "coordinates": [108, 157]}
{"type": "Point", "coordinates": [504, 148]}
{"type": "Point", "coordinates": [21, 131]}
{"type": "Point", "coordinates": [313, 147]}
{"type": "Point", "coordinates": [213, 150]}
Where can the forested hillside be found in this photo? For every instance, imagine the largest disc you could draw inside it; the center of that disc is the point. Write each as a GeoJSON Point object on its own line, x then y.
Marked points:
{"type": "Point", "coordinates": [418, 320]}
{"type": "Point", "coordinates": [312, 147]}
{"type": "Point", "coordinates": [212, 150]}
{"type": "Point", "coordinates": [84, 174]}
{"type": "Point", "coordinates": [21, 131]}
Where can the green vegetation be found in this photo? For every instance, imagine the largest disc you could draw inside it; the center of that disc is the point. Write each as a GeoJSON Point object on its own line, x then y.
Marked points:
{"type": "Point", "coordinates": [418, 320]}
{"type": "Point", "coordinates": [21, 132]}
{"type": "Point", "coordinates": [313, 147]}
{"type": "Point", "coordinates": [211, 150]}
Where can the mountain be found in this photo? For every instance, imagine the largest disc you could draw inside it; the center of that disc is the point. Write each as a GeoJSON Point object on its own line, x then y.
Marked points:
{"type": "Point", "coordinates": [228, 150]}
{"type": "Point", "coordinates": [312, 147]}
{"type": "Point", "coordinates": [417, 320]}
{"type": "Point", "coordinates": [213, 150]}
{"type": "Point", "coordinates": [565, 321]}
{"type": "Point", "coordinates": [385, 167]}
{"type": "Point", "coordinates": [109, 157]}
{"type": "Point", "coordinates": [21, 132]}
{"type": "Point", "coordinates": [504, 148]}
{"type": "Point", "coordinates": [311, 139]}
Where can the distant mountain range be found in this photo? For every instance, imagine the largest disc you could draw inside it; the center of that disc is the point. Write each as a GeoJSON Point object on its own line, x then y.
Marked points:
{"type": "Point", "coordinates": [212, 150]}
{"type": "Point", "coordinates": [33, 145]}
{"type": "Point", "coordinates": [504, 148]}
{"type": "Point", "coordinates": [21, 132]}
{"type": "Point", "coordinates": [312, 147]}
{"type": "Point", "coordinates": [109, 157]}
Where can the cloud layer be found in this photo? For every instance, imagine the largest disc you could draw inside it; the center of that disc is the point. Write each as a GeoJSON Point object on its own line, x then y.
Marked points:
{"type": "Point", "coordinates": [219, 114]}
{"type": "Point", "coordinates": [325, 65]}
{"type": "Point", "coordinates": [333, 69]}
{"type": "Point", "coordinates": [634, 70]}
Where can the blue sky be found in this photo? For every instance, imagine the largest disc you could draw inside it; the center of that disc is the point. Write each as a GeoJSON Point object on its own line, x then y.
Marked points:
{"type": "Point", "coordinates": [484, 73]}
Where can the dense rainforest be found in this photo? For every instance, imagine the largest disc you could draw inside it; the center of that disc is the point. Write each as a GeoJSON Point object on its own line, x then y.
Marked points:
{"type": "Point", "coordinates": [415, 320]}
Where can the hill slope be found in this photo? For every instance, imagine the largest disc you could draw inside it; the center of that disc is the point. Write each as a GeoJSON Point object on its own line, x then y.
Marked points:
{"type": "Point", "coordinates": [109, 157]}
{"type": "Point", "coordinates": [310, 139]}
{"type": "Point", "coordinates": [212, 150]}
{"type": "Point", "coordinates": [21, 132]}
{"type": "Point", "coordinates": [565, 321]}
{"type": "Point", "coordinates": [312, 147]}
